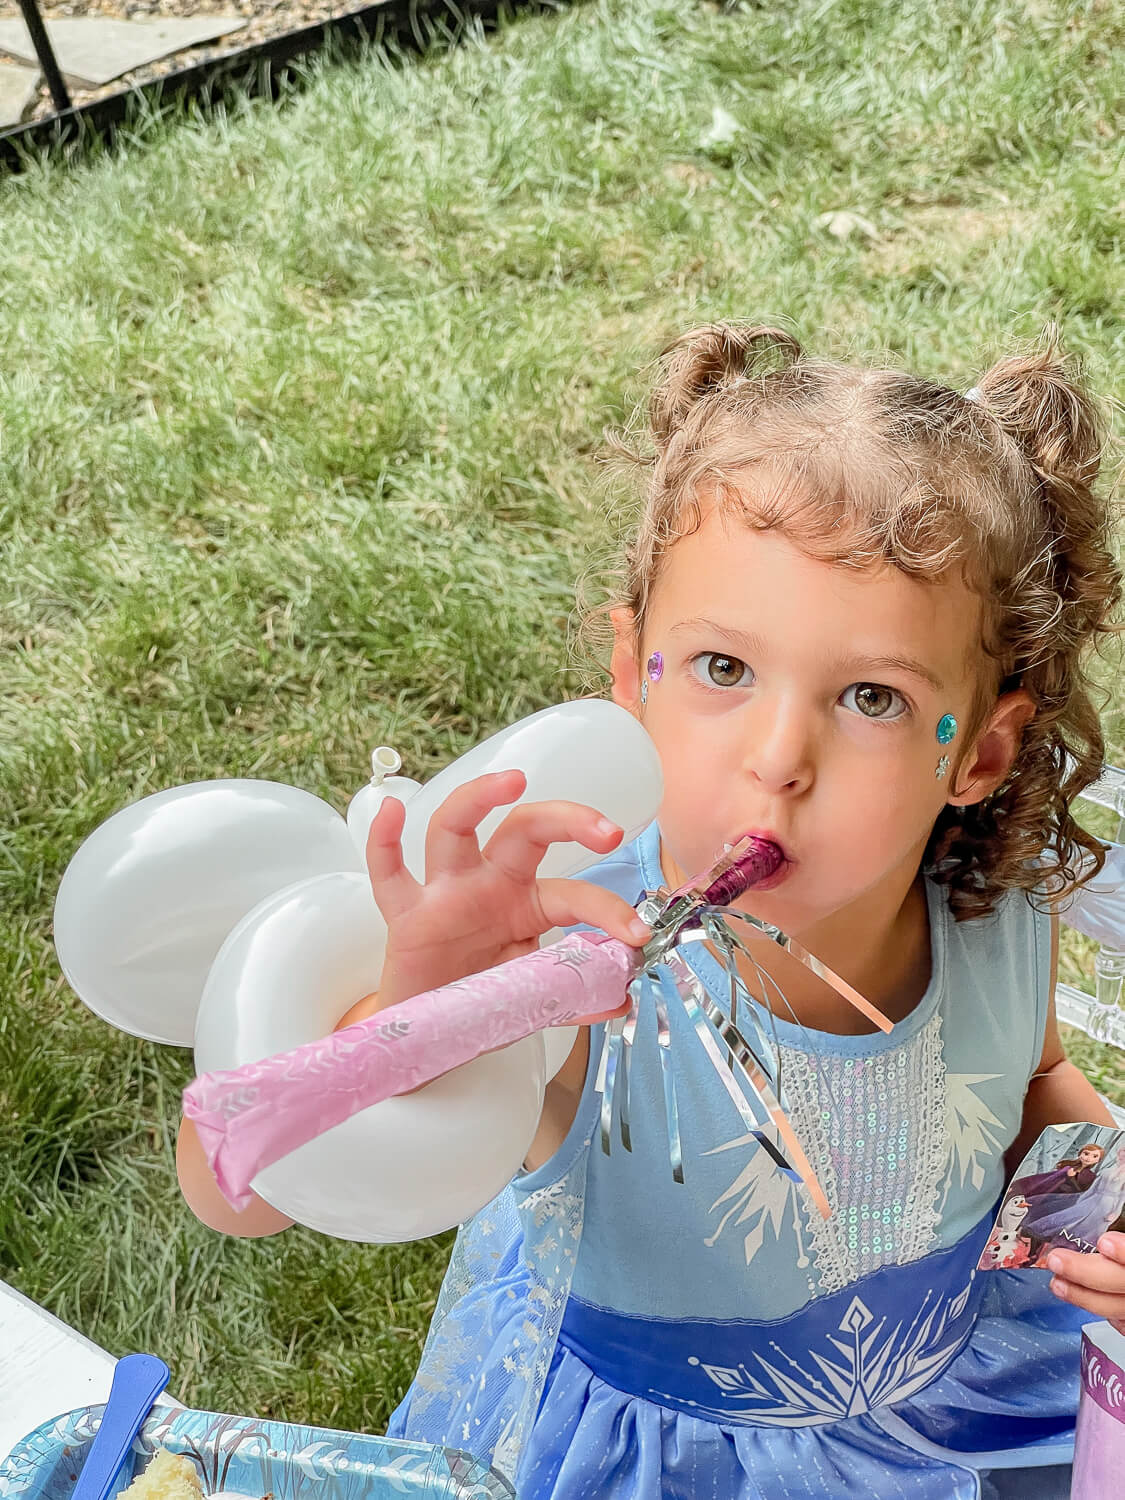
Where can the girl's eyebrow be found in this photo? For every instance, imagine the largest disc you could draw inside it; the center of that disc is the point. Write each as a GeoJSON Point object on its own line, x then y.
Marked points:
{"type": "Point", "coordinates": [894, 663]}
{"type": "Point", "coordinates": [753, 646]}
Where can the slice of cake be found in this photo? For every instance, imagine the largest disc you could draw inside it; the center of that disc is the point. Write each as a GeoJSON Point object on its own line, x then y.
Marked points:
{"type": "Point", "coordinates": [169, 1476]}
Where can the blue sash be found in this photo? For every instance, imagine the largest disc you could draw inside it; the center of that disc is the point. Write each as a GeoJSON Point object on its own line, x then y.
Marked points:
{"type": "Point", "coordinates": [875, 1342]}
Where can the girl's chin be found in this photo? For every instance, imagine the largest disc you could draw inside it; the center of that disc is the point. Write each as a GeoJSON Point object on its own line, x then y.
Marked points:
{"type": "Point", "coordinates": [784, 906]}
{"type": "Point", "coordinates": [768, 904]}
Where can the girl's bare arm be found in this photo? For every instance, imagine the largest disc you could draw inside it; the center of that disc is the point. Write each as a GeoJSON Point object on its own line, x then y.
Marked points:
{"type": "Point", "coordinates": [1058, 1092]}
{"type": "Point", "coordinates": [202, 1195]}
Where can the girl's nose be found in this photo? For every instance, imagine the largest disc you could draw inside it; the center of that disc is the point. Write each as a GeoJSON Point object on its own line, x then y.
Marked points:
{"type": "Point", "coordinates": [779, 751]}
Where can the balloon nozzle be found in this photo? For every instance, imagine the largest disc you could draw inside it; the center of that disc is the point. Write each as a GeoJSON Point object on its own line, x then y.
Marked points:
{"type": "Point", "coordinates": [385, 761]}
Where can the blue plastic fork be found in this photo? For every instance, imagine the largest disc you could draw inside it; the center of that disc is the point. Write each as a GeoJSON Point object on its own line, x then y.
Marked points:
{"type": "Point", "coordinates": [137, 1381]}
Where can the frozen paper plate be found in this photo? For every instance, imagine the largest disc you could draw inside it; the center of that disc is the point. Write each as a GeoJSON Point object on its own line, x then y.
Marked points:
{"type": "Point", "coordinates": [254, 1458]}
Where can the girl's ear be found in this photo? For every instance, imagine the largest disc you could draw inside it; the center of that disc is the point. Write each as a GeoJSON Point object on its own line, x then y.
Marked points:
{"type": "Point", "coordinates": [624, 665]}
{"type": "Point", "coordinates": [994, 751]}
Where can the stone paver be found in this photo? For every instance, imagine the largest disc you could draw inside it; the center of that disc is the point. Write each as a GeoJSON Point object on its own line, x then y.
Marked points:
{"type": "Point", "coordinates": [95, 50]}
{"type": "Point", "coordinates": [18, 87]}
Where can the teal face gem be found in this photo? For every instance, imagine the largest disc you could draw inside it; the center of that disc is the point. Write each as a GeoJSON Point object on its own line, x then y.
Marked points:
{"type": "Point", "coordinates": [947, 728]}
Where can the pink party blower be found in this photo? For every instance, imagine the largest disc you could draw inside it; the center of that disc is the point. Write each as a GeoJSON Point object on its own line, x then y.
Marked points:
{"type": "Point", "coordinates": [247, 1118]}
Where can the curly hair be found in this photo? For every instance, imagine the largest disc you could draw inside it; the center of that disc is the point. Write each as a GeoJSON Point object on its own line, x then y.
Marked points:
{"type": "Point", "coordinates": [871, 466]}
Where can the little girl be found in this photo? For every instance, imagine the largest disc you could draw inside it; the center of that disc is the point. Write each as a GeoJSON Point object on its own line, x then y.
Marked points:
{"type": "Point", "coordinates": [851, 620]}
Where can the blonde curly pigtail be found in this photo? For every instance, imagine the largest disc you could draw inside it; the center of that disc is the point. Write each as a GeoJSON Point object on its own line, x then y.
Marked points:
{"type": "Point", "coordinates": [1066, 598]}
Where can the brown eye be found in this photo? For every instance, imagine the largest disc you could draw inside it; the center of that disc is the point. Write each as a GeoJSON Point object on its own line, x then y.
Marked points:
{"type": "Point", "coordinates": [724, 671]}
{"type": "Point", "coordinates": [874, 701]}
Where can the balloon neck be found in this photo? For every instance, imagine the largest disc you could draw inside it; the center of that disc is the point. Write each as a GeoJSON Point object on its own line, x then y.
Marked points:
{"type": "Point", "coordinates": [384, 762]}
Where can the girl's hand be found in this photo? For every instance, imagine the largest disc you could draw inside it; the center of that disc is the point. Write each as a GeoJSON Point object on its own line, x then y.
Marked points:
{"type": "Point", "coordinates": [1095, 1282]}
{"type": "Point", "coordinates": [478, 908]}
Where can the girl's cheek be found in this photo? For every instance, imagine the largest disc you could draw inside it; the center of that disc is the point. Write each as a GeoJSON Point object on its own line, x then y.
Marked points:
{"type": "Point", "coordinates": [893, 739]}
{"type": "Point", "coordinates": [895, 760]}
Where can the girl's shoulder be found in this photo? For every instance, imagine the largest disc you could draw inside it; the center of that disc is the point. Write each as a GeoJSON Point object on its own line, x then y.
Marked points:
{"type": "Point", "coordinates": [997, 974]}
{"type": "Point", "coordinates": [1020, 922]}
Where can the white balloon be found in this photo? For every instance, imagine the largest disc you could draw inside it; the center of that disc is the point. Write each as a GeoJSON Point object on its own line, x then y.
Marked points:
{"type": "Point", "coordinates": [289, 970]}
{"type": "Point", "coordinates": [409, 1167]}
{"type": "Point", "coordinates": [367, 802]}
{"type": "Point", "coordinates": [587, 751]}
{"type": "Point", "coordinates": [153, 892]}
{"type": "Point", "coordinates": [254, 894]}
{"type": "Point", "coordinates": [559, 1044]}
{"type": "Point", "coordinates": [385, 762]}
{"type": "Point", "coordinates": [421, 1163]}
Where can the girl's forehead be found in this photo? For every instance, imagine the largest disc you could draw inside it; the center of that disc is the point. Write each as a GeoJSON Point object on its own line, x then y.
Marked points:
{"type": "Point", "coordinates": [763, 585]}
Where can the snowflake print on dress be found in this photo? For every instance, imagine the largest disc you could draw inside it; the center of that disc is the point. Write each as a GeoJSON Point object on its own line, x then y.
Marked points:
{"type": "Point", "coordinates": [555, 1200]}
{"type": "Point", "coordinates": [974, 1130]}
{"type": "Point", "coordinates": [873, 1365]}
{"type": "Point", "coordinates": [761, 1197]}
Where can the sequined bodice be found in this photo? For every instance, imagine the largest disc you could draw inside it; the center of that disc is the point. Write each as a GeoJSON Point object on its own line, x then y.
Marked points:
{"type": "Point", "coordinates": [906, 1132]}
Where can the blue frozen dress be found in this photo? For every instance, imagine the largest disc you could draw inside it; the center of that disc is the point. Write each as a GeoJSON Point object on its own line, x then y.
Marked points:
{"type": "Point", "coordinates": [606, 1331]}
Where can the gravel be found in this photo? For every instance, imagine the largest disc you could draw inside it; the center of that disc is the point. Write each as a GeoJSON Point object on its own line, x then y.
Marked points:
{"type": "Point", "coordinates": [265, 18]}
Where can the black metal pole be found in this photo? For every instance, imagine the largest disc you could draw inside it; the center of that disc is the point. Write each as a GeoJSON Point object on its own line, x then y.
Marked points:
{"type": "Point", "coordinates": [45, 53]}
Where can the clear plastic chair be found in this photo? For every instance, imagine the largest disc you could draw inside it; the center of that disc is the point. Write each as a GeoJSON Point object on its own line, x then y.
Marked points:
{"type": "Point", "coordinates": [1099, 911]}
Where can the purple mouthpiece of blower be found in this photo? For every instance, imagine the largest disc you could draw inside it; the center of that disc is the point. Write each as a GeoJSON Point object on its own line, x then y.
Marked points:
{"type": "Point", "coordinates": [751, 861]}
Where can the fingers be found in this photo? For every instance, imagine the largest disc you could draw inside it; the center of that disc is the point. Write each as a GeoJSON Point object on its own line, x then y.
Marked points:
{"type": "Point", "coordinates": [451, 837]}
{"type": "Point", "coordinates": [567, 902]}
{"type": "Point", "coordinates": [1098, 1272]}
{"type": "Point", "coordinates": [523, 838]}
{"type": "Point", "coordinates": [1093, 1282]}
{"type": "Point", "coordinates": [394, 888]}
{"type": "Point", "coordinates": [1101, 1304]}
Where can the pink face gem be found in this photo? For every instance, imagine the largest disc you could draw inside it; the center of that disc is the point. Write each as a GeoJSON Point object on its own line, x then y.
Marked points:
{"type": "Point", "coordinates": [655, 666]}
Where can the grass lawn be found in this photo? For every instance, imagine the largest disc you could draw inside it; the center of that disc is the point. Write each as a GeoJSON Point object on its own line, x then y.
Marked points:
{"type": "Point", "coordinates": [300, 413]}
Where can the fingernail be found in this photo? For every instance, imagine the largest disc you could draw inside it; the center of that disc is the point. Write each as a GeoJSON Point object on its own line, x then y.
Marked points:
{"type": "Point", "coordinates": [1059, 1287]}
{"type": "Point", "coordinates": [1111, 1247]}
{"type": "Point", "coordinates": [640, 930]}
{"type": "Point", "coordinates": [606, 827]}
{"type": "Point", "coordinates": [1055, 1263]}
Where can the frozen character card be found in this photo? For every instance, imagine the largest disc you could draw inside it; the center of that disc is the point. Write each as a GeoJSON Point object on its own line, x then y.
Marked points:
{"type": "Point", "coordinates": [1069, 1190]}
